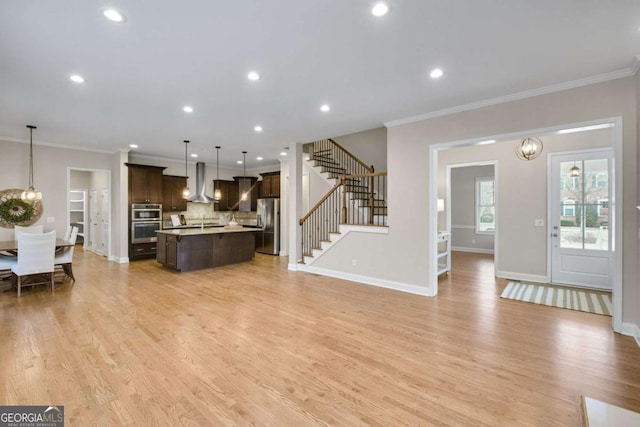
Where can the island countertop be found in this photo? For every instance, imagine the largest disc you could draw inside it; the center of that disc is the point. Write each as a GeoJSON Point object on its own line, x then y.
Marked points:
{"type": "Point", "coordinates": [204, 231]}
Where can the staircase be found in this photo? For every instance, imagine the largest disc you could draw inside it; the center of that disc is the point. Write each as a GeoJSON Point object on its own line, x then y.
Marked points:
{"type": "Point", "coordinates": [358, 197]}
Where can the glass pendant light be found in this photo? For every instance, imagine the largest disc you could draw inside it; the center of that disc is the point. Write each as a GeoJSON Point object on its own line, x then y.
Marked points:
{"type": "Point", "coordinates": [529, 148]}
{"type": "Point", "coordinates": [31, 194]}
{"type": "Point", "coordinates": [574, 171]}
{"type": "Point", "coordinates": [244, 174]}
{"type": "Point", "coordinates": [217, 194]}
{"type": "Point", "coordinates": [185, 193]}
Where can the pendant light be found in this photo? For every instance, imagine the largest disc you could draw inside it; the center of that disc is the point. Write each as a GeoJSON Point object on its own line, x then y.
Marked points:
{"type": "Point", "coordinates": [185, 192]}
{"type": "Point", "coordinates": [529, 148]}
{"type": "Point", "coordinates": [574, 171]}
{"type": "Point", "coordinates": [31, 194]}
{"type": "Point", "coordinates": [244, 174]}
{"type": "Point", "coordinates": [217, 194]}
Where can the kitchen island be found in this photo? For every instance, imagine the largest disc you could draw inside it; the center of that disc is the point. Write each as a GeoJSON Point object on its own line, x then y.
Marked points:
{"type": "Point", "coordinates": [194, 249]}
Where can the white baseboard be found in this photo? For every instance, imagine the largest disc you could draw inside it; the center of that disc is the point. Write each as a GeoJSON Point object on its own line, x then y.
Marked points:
{"type": "Point", "coordinates": [473, 250]}
{"type": "Point", "coordinates": [389, 284]}
{"type": "Point", "coordinates": [510, 275]}
{"type": "Point", "coordinates": [293, 267]}
{"type": "Point", "coordinates": [632, 330]}
{"type": "Point", "coordinates": [122, 260]}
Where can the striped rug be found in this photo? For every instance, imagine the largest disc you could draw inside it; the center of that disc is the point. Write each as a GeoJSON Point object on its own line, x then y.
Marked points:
{"type": "Point", "coordinates": [573, 299]}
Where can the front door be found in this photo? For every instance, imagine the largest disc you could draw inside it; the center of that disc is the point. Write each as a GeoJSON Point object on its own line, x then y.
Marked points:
{"type": "Point", "coordinates": [581, 219]}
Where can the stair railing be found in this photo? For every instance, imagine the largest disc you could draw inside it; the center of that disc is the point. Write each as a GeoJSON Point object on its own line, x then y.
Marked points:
{"type": "Point", "coordinates": [321, 220]}
{"type": "Point", "coordinates": [331, 149]}
{"type": "Point", "coordinates": [364, 203]}
{"type": "Point", "coordinates": [356, 204]}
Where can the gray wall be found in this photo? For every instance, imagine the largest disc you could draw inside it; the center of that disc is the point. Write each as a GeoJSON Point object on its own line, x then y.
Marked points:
{"type": "Point", "coordinates": [463, 196]}
{"type": "Point", "coordinates": [369, 146]}
{"type": "Point", "coordinates": [401, 256]}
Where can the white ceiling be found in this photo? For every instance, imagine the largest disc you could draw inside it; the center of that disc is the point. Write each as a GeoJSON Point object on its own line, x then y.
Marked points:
{"type": "Point", "coordinates": [370, 70]}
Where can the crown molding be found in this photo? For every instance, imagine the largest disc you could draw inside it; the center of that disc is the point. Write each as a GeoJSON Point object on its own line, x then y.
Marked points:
{"type": "Point", "coordinates": [54, 145]}
{"type": "Point", "coordinates": [628, 72]}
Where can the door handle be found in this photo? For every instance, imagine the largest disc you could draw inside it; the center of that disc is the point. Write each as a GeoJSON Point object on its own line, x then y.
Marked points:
{"type": "Point", "coordinates": [554, 234]}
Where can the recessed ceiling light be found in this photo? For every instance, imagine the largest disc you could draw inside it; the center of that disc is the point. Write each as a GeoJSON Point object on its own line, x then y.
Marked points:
{"type": "Point", "coordinates": [76, 78]}
{"type": "Point", "coordinates": [239, 162]}
{"type": "Point", "coordinates": [436, 73]}
{"type": "Point", "coordinates": [253, 76]}
{"type": "Point", "coordinates": [283, 153]}
{"type": "Point", "coordinates": [114, 16]}
{"type": "Point", "coordinates": [258, 128]}
{"type": "Point", "coordinates": [187, 109]}
{"type": "Point", "coordinates": [133, 145]}
{"type": "Point", "coordinates": [325, 108]}
{"type": "Point", "coordinates": [379, 9]}
{"type": "Point", "coordinates": [258, 158]}
{"type": "Point", "coordinates": [194, 155]}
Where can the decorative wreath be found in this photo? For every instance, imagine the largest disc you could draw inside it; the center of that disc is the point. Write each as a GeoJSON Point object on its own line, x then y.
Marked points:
{"type": "Point", "coordinates": [15, 211]}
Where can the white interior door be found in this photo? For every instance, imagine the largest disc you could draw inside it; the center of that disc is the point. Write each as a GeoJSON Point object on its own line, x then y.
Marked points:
{"type": "Point", "coordinates": [94, 219]}
{"type": "Point", "coordinates": [582, 219]}
{"type": "Point", "coordinates": [104, 218]}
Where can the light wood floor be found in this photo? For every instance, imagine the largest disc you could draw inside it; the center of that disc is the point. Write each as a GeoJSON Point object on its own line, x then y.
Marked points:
{"type": "Point", "coordinates": [256, 344]}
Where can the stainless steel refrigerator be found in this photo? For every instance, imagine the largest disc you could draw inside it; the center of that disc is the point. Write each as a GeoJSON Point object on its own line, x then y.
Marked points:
{"type": "Point", "coordinates": [268, 220]}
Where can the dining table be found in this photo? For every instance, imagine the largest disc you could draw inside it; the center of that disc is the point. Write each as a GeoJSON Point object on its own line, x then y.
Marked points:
{"type": "Point", "coordinates": [12, 245]}
{"type": "Point", "coordinates": [10, 248]}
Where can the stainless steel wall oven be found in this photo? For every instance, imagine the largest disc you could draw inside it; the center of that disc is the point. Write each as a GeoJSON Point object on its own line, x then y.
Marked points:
{"type": "Point", "coordinates": [146, 219]}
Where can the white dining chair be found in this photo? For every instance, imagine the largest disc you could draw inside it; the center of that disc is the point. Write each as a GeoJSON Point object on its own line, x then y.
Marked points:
{"type": "Point", "coordinates": [65, 258]}
{"type": "Point", "coordinates": [67, 234]}
{"type": "Point", "coordinates": [36, 254]}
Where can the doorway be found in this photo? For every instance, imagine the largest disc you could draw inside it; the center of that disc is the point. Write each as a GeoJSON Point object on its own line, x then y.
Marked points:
{"type": "Point", "coordinates": [579, 214]}
{"type": "Point", "coordinates": [96, 185]}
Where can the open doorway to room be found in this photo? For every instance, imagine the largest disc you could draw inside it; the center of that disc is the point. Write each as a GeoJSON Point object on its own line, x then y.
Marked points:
{"type": "Point", "coordinates": [471, 196]}
{"type": "Point", "coordinates": [89, 208]}
{"type": "Point", "coordinates": [524, 213]}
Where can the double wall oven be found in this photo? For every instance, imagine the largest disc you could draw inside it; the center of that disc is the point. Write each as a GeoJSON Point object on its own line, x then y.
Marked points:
{"type": "Point", "coordinates": [146, 219]}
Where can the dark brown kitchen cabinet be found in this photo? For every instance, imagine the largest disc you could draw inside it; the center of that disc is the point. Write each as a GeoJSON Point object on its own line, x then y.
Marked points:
{"type": "Point", "coordinates": [145, 183]}
{"type": "Point", "coordinates": [229, 195]}
{"type": "Point", "coordinates": [172, 198]}
{"type": "Point", "coordinates": [270, 185]}
{"type": "Point", "coordinates": [167, 253]}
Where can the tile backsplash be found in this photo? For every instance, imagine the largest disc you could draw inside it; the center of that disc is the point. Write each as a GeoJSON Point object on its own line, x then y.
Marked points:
{"type": "Point", "coordinates": [197, 212]}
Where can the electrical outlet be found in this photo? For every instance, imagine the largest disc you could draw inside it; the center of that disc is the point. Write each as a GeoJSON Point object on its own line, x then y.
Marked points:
{"type": "Point", "coordinates": [473, 240]}
{"type": "Point", "coordinates": [354, 263]}
{"type": "Point", "coordinates": [51, 219]}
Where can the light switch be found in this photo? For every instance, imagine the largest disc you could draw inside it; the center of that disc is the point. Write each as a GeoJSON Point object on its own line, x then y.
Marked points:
{"type": "Point", "coordinates": [539, 223]}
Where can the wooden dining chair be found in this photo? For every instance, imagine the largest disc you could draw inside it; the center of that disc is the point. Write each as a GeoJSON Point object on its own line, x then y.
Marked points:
{"type": "Point", "coordinates": [65, 258]}
{"type": "Point", "coordinates": [36, 254]}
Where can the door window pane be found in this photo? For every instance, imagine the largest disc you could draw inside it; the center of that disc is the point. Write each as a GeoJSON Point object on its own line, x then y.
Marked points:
{"type": "Point", "coordinates": [584, 222]}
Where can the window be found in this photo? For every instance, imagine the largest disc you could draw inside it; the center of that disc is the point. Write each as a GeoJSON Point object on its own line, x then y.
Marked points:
{"type": "Point", "coordinates": [568, 207]}
{"type": "Point", "coordinates": [603, 207]}
{"type": "Point", "coordinates": [485, 206]}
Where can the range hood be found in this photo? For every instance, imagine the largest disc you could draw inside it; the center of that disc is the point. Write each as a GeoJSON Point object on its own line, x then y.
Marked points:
{"type": "Point", "coordinates": [200, 197]}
